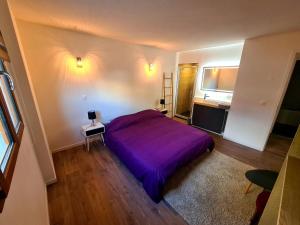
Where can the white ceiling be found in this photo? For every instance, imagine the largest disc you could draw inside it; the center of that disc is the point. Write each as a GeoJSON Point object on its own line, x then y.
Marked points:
{"type": "Point", "coordinates": [170, 24]}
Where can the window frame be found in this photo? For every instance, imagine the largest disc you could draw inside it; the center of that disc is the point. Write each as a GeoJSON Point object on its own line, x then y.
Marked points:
{"type": "Point", "coordinates": [6, 176]}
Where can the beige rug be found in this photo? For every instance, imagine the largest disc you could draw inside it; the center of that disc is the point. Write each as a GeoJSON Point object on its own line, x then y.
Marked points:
{"type": "Point", "coordinates": [210, 191]}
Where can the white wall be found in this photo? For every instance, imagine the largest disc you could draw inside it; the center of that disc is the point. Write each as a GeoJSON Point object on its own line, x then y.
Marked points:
{"type": "Point", "coordinates": [265, 69]}
{"type": "Point", "coordinates": [114, 79]}
{"type": "Point", "coordinates": [26, 202]}
{"type": "Point", "coordinates": [25, 92]}
{"type": "Point", "coordinates": [228, 55]}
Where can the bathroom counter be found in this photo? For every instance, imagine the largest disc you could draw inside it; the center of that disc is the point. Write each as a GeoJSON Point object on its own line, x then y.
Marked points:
{"type": "Point", "coordinates": [212, 103]}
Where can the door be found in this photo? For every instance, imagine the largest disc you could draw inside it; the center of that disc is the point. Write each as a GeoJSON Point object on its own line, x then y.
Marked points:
{"type": "Point", "coordinates": [185, 89]}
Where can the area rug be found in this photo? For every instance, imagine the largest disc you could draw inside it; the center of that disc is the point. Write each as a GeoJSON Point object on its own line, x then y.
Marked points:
{"type": "Point", "coordinates": [210, 191]}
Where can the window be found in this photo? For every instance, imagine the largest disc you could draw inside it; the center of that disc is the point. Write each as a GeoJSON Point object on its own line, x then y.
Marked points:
{"type": "Point", "coordinates": [11, 128]}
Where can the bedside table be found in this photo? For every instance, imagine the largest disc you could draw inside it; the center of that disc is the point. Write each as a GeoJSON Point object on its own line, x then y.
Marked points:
{"type": "Point", "coordinates": [89, 132]}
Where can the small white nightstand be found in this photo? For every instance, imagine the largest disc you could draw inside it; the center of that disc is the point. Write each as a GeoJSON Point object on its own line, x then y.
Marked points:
{"type": "Point", "coordinates": [89, 132]}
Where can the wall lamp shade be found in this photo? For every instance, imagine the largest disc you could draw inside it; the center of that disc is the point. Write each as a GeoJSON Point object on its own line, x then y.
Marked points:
{"type": "Point", "coordinates": [151, 67]}
{"type": "Point", "coordinates": [79, 62]}
{"type": "Point", "coordinates": [92, 116]}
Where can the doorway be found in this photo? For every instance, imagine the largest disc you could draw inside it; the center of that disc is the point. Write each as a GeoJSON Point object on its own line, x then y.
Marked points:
{"type": "Point", "coordinates": [187, 74]}
{"type": "Point", "coordinates": [288, 118]}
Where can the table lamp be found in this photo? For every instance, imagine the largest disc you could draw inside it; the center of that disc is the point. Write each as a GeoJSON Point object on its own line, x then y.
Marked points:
{"type": "Point", "coordinates": [92, 116]}
{"type": "Point", "coordinates": [162, 102]}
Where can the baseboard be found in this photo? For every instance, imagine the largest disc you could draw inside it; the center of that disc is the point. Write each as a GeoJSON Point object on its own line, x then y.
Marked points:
{"type": "Point", "coordinates": [67, 147]}
{"type": "Point", "coordinates": [244, 144]}
{"type": "Point", "coordinates": [53, 181]}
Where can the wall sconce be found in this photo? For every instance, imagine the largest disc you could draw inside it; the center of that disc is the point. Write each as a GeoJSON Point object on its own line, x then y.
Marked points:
{"type": "Point", "coordinates": [151, 67]}
{"type": "Point", "coordinates": [79, 62]}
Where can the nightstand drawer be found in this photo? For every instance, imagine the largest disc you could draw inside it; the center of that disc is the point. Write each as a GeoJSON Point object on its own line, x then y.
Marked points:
{"type": "Point", "coordinates": [94, 131]}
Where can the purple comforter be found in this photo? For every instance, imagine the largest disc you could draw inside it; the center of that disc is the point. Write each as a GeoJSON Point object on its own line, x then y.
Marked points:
{"type": "Point", "coordinates": [153, 146]}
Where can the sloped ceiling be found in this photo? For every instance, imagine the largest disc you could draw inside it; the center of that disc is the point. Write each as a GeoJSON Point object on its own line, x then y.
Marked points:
{"type": "Point", "coordinates": [169, 24]}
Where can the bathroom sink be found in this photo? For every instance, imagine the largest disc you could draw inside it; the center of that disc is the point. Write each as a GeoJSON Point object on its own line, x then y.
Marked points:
{"type": "Point", "coordinates": [212, 103]}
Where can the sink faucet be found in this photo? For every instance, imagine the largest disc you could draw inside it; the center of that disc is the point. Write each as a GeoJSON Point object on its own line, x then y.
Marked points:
{"type": "Point", "coordinates": [205, 96]}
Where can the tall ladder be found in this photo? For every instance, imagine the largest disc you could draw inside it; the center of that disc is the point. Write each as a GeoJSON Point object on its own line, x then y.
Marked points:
{"type": "Point", "coordinates": [168, 93]}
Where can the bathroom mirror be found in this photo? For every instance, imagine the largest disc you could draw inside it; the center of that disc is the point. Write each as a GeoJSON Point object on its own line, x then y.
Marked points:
{"type": "Point", "coordinates": [219, 78]}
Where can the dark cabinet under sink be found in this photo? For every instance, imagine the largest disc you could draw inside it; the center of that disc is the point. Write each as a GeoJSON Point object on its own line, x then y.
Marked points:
{"type": "Point", "coordinates": [209, 118]}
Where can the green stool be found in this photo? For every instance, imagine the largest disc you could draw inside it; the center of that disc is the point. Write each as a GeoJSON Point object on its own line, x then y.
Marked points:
{"type": "Point", "coordinates": [263, 178]}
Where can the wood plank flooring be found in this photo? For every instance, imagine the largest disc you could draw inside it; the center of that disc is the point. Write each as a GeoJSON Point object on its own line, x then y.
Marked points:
{"type": "Point", "coordinates": [271, 158]}
{"type": "Point", "coordinates": [95, 188]}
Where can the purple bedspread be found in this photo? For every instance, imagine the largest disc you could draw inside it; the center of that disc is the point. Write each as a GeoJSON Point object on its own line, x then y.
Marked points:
{"type": "Point", "coordinates": [153, 146]}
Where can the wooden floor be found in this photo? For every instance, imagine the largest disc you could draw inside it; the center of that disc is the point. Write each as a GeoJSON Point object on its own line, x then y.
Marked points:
{"type": "Point", "coordinates": [271, 158]}
{"type": "Point", "coordinates": [95, 188]}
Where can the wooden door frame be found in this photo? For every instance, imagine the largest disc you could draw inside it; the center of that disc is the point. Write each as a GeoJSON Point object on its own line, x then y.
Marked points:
{"type": "Point", "coordinates": [177, 84]}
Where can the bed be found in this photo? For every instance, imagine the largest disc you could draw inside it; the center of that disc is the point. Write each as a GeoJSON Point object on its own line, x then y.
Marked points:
{"type": "Point", "coordinates": [154, 146]}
